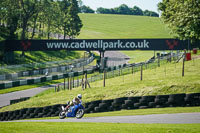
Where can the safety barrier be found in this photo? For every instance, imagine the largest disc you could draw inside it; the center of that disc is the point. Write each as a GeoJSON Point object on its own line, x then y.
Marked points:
{"type": "Point", "coordinates": [10, 84]}
{"type": "Point", "coordinates": [137, 102]}
{"type": "Point", "coordinates": [19, 100]}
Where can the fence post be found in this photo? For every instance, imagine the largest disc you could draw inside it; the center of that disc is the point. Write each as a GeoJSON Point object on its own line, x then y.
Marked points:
{"type": "Point", "coordinates": [68, 84]}
{"type": "Point", "coordinates": [183, 68]}
{"type": "Point", "coordinates": [132, 69]}
{"type": "Point", "coordinates": [158, 60]}
{"type": "Point", "coordinates": [78, 81]}
{"type": "Point", "coordinates": [55, 88]}
{"type": "Point", "coordinates": [64, 83]}
{"type": "Point", "coordinates": [104, 78]}
{"type": "Point", "coordinates": [86, 80]}
{"type": "Point", "coordinates": [141, 72]}
{"type": "Point", "coordinates": [73, 81]}
{"type": "Point", "coordinates": [58, 88]}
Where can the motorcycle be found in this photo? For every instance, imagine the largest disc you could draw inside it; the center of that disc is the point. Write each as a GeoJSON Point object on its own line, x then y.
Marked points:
{"type": "Point", "coordinates": [73, 111]}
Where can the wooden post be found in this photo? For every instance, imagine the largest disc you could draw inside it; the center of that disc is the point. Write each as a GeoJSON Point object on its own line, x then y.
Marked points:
{"type": "Point", "coordinates": [64, 83]}
{"type": "Point", "coordinates": [86, 80]}
{"type": "Point", "coordinates": [77, 81]}
{"type": "Point", "coordinates": [73, 81]}
{"type": "Point", "coordinates": [132, 70]}
{"type": "Point", "coordinates": [58, 88]}
{"type": "Point", "coordinates": [68, 84]}
{"type": "Point", "coordinates": [141, 72]}
{"type": "Point", "coordinates": [183, 68]}
{"type": "Point", "coordinates": [55, 88]}
{"type": "Point", "coordinates": [104, 79]}
{"type": "Point", "coordinates": [159, 61]}
{"type": "Point", "coordinates": [82, 83]}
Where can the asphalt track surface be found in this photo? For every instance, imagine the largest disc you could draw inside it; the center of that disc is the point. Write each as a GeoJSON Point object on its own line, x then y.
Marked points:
{"type": "Point", "coordinates": [5, 98]}
{"type": "Point", "coordinates": [179, 118]}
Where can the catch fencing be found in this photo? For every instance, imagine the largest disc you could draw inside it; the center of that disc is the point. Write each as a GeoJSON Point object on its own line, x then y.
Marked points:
{"type": "Point", "coordinates": [114, 71]}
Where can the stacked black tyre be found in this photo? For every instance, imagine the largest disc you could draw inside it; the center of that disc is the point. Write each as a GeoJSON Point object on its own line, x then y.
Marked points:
{"type": "Point", "coordinates": [104, 106]}
{"type": "Point", "coordinates": [117, 103]}
{"type": "Point", "coordinates": [129, 103]}
{"type": "Point", "coordinates": [159, 101]}
{"type": "Point", "coordinates": [176, 100]}
{"type": "Point", "coordinates": [90, 107]}
{"type": "Point", "coordinates": [192, 99]}
{"type": "Point", "coordinates": [144, 102]}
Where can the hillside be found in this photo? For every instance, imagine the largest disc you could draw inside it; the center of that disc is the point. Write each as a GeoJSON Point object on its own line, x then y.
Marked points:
{"type": "Point", "coordinates": [106, 26]}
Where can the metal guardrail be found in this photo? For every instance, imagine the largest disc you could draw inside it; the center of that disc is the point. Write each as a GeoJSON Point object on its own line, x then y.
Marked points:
{"type": "Point", "coordinates": [50, 70]}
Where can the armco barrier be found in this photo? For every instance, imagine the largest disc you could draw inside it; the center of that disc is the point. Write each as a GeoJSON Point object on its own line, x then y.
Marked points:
{"type": "Point", "coordinates": [11, 84]}
{"type": "Point", "coordinates": [138, 102]}
{"type": "Point", "coordinates": [18, 100]}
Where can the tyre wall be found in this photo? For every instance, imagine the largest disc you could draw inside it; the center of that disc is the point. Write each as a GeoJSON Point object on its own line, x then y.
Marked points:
{"type": "Point", "coordinates": [138, 102]}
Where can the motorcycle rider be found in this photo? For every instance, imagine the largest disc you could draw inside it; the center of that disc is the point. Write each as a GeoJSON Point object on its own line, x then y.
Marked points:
{"type": "Point", "coordinates": [75, 101]}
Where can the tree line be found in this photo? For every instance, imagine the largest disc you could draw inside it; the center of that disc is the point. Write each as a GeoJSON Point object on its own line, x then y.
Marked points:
{"type": "Point", "coordinates": [30, 19]}
{"type": "Point", "coordinates": [122, 9]}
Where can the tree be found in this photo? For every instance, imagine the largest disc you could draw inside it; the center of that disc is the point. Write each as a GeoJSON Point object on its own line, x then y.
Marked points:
{"type": "Point", "coordinates": [123, 9]}
{"type": "Point", "coordinates": [150, 13]}
{"type": "Point", "coordinates": [29, 8]}
{"type": "Point", "coordinates": [102, 10]}
{"type": "Point", "coordinates": [9, 15]}
{"type": "Point", "coordinates": [72, 22]}
{"type": "Point", "coordinates": [182, 17]}
{"type": "Point", "coordinates": [86, 9]}
{"type": "Point", "coordinates": [51, 16]}
{"type": "Point", "coordinates": [137, 11]}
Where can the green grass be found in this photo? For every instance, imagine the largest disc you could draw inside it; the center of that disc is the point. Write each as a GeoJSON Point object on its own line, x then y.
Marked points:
{"type": "Point", "coordinates": [63, 127]}
{"type": "Point", "coordinates": [107, 26]}
{"type": "Point", "coordinates": [164, 80]}
{"type": "Point", "coordinates": [137, 56]}
{"type": "Point", "coordinates": [41, 57]}
{"type": "Point", "coordinates": [44, 56]}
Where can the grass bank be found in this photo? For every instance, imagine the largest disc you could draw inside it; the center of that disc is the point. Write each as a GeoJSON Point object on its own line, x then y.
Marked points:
{"type": "Point", "coordinates": [107, 26]}
{"type": "Point", "coordinates": [166, 79]}
{"type": "Point", "coordinates": [135, 56]}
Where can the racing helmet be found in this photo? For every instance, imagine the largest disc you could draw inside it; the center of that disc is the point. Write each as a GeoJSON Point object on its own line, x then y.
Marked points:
{"type": "Point", "coordinates": [79, 96]}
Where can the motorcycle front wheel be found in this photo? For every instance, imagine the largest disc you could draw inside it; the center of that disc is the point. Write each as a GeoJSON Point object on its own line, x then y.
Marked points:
{"type": "Point", "coordinates": [80, 113]}
{"type": "Point", "coordinates": [62, 115]}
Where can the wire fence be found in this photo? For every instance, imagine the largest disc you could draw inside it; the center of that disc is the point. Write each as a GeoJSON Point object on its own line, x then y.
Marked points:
{"type": "Point", "coordinates": [120, 70]}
